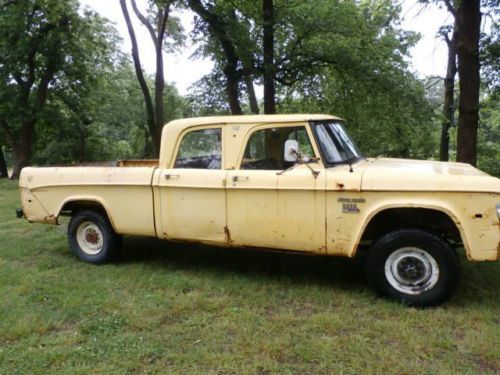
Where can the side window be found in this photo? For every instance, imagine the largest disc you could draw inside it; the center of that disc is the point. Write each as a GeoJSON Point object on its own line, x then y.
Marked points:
{"type": "Point", "coordinates": [265, 148]}
{"type": "Point", "coordinates": [300, 135]}
{"type": "Point", "coordinates": [200, 149]}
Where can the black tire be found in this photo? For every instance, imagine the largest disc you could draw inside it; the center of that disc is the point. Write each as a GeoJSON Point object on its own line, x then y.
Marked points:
{"type": "Point", "coordinates": [92, 238]}
{"type": "Point", "coordinates": [402, 266]}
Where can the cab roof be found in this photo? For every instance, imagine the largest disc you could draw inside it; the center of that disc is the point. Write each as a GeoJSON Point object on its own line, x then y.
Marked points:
{"type": "Point", "coordinates": [248, 119]}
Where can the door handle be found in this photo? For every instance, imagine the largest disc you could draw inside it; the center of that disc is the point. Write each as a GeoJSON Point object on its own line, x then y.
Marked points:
{"type": "Point", "coordinates": [240, 178]}
{"type": "Point", "coordinates": [169, 176]}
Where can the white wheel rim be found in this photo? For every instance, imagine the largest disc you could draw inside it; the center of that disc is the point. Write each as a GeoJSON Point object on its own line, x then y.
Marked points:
{"type": "Point", "coordinates": [89, 238]}
{"type": "Point", "coordinates": [411, 270]}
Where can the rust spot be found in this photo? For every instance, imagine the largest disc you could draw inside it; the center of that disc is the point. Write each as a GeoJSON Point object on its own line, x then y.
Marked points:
{"type": "Point", "coordinates": [92, 237]}
{"type": "Point", "coordinates": [228, 234]}
{"type": "Point", "coordinates": [51, 219]}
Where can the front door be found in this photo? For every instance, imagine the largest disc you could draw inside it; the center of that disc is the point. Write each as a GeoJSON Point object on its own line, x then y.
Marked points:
{"type": "Point", "coordinates": [192, 193]}
{"type": "Point", "coordinates": [272, 203]}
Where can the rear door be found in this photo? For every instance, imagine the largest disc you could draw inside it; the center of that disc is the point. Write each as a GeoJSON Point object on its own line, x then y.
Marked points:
{"type": "Point", "coordinates": [192, 191]}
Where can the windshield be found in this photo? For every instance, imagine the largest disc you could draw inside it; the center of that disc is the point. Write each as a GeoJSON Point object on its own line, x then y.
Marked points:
{"type": "Point", "coordinates": [334, 143]}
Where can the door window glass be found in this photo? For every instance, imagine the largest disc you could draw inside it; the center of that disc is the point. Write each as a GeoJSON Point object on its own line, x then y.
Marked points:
{"type": "Point", "coordinates": [265, 148]}
{"type": "Point", "coordinates": [200, 149]}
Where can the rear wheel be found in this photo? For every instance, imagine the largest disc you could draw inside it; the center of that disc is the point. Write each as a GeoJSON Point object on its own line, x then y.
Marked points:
{"type": "Point", "coordinates": [413, 266]}
{"type": "Point", "coordinates": [92, 238]}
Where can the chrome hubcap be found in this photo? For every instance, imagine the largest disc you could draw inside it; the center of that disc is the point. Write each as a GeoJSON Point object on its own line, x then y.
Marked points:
{"type": "Point", "coordinates": [89, 238]}
{"type": "Point", "coordinates": [411, 270]}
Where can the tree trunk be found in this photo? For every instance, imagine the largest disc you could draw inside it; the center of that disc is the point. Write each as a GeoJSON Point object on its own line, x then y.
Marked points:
{"type": "Point", "coordinates": [468, 18]}
{"type": "Point", "coordinates": [22, 150]}
{"type": "Point", "coordinates": [449, 98]}
{"type": "Point", "coordinates": [159, 87]}
{"type": "Point", "coordinates": [3, 165]}
{"type": "Point", "coordinates": [252, 99]}
{"type": "Point", "coordinates": [219, 29]}
{"type": "Point", "coordinates": [150, 112]}
{"type": "Point", "coordinates": [232, 89]}
{"type": "Point", "coordinates": [268, 49]}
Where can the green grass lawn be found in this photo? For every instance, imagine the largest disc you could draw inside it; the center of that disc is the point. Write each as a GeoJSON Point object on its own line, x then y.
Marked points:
{"type": "Point", "coordinates": [175, 309]}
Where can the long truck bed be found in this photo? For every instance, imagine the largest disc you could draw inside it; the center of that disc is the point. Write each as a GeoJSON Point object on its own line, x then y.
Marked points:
{"type": "Point", "coordinates": [55, 187]}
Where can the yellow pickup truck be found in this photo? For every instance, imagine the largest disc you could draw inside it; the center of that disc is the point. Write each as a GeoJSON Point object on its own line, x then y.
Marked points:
{"type": "Point", "coordinates": [285, 182]}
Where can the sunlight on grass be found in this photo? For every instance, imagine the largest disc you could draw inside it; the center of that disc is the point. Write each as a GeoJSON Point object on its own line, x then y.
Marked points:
{"type": "Point", "coordinates": [176, 309]}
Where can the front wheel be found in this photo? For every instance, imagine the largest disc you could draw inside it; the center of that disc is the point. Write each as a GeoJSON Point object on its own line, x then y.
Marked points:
{"type": "Point", "coordinates": [413, 266]}
{"type": "Point", "coordinates": [92, 238]}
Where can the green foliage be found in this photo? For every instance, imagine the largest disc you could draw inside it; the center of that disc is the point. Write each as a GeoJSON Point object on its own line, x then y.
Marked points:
{"type": "Point", "coordinates": [52, 56]}
{"type": "Point", "coordinates": [341, 57]}
{"type": "Point", "coordinates": [489, 135]}
{"type": "Point", "coordinates": [490, 53]}
{"type": "Point", "coordinates": [109, 122]}
{"type": "Point", "coordinates": [350, 61]}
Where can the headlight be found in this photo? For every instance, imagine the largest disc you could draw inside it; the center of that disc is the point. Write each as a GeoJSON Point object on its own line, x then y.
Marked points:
{"type": "Point", "coordinates": [498, 210]}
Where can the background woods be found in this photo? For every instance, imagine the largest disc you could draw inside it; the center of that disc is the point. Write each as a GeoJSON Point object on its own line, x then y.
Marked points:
{"type": "Point", "coordinates": [68, 95]}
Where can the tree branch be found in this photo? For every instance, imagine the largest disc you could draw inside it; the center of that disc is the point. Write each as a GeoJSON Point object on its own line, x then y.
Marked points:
{"type": "Point", "coordinates": [144, 21]}
{"type": "Point", "coordinates": [162, 22]}
{"type": "Point", "coordinates": [450, 7]}
{"type": "Point", "coordinates": [138, 68]}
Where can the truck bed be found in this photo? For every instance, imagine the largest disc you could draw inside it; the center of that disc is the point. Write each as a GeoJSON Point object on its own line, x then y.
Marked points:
{"type": "Point", "coordinates": [124, 190]}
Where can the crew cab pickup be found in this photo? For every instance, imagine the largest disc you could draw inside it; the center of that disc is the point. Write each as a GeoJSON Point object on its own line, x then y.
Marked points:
{"type": "Point", "coordinates": [285, 182]}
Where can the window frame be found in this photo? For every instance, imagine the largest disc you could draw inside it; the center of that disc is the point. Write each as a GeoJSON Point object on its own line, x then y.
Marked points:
{"type": "Point", "coordinates": [313, 124]}
{"type": "Point", "coordinates": [185, 132]}
{"type": "Point", "coordinates": [259, 127]}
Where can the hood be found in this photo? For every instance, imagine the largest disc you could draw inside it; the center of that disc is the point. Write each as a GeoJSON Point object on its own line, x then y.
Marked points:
{"type": "Point", "coordinates": [422, 175]}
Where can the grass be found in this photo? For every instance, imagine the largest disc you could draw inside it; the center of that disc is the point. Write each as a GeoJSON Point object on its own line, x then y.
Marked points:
{"type": "Point", "coordinates": [165, 308]}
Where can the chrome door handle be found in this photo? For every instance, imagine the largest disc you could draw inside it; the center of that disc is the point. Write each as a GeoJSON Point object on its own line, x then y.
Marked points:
{"type": "Point", "coordinates": [169, 176]}
{"type": "Point", "coordinates": [240, 178]}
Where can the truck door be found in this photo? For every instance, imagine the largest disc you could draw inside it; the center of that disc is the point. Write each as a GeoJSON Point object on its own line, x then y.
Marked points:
{"type": "Point", "coordinates": [192, 192]}
{"type": "Point", "coordinates": [270, 202]}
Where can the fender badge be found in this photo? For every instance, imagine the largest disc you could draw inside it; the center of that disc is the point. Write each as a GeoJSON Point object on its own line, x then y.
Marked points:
{"type": "Point", "coordinates": [350, 208]}
{"type": "Point", "coordinates": [350, 205]}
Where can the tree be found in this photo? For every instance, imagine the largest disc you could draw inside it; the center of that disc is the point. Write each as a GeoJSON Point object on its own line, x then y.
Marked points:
{"type": "Point", "coordinates": [157, 28]}
{"type": "Point", "coordinates": [3, 165]}
{"type": "Point", "coordinates": [219, 29]}
{"type": "Point", "coordinates": [105, 122]}
{"type": "Point", "coordinates": [467, 15]}
{"type": "Point", "coordinates": [350, 60]}
{"type": "Point", "coordinates": [46, 47]}
{"type": "Point", "coordinates": [268, 54]}
{"type": "Point", "coordinates": [449, 92]}
{"type": "Point", "coordinates": [230, 46]}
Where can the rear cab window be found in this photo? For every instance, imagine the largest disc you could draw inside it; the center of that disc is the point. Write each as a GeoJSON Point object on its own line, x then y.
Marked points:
{"type": "Point", "coordinates": [200, 149]}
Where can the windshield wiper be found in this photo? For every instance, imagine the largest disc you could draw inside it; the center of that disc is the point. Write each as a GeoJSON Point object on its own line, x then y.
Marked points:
{"type": "Point", "coordinates": [345, 147]}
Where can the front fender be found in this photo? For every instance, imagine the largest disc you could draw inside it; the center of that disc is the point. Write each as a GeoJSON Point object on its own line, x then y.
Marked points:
{"type": "Point", "coordinates": [474, 215]}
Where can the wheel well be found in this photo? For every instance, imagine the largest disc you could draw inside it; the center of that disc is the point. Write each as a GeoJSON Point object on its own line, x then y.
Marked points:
{"type": "Point", "coordinates": [430, 220]}
{"type": "Point", "coordinates": [70, 208]}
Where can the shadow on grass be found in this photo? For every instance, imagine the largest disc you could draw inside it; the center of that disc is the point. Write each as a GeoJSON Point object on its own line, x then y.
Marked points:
{"type": "Point", "coordinates": [338, 273]}
{"type": "Point", "coordinates": [301, 269]}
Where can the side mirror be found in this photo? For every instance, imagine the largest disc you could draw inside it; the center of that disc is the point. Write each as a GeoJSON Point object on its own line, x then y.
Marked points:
{"type": "Point", "coordinates": [291, 150]}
